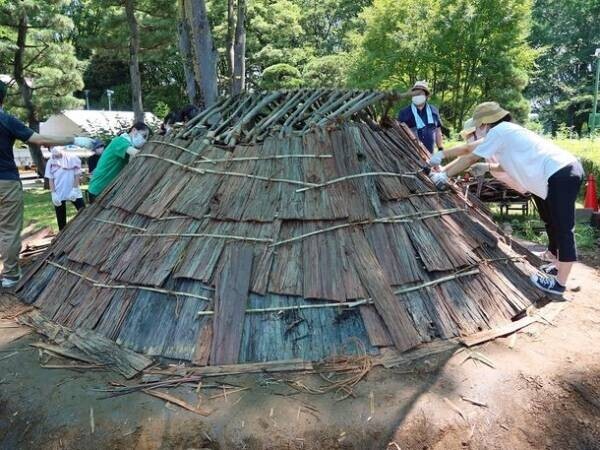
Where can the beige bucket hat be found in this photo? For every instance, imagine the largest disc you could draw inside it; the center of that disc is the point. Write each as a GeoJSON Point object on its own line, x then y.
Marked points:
{"type": "Point", "coordinates": [488, 112]}
{"type": "Point", "coordinates": [468, 128]}
{"type": "Point", "coordinates": [423, 85]}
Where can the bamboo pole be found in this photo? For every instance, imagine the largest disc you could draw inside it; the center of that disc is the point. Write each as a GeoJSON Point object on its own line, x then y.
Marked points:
{"type": "Point", "coordinates": [120, 224]}
{"type": "Point", "coordinates": [353, 304]}
{"type": "Point", "coordinates": [406, 218]}
{"type": "Point", "coordinates": [182, 149]}
{"type": "Point", "coordinates": [263, 158]}
{"type": "Point", "coordinates": [359, 175]}
{"type": "Point", "coordinates": [220, 172]}
{"type": "Point", "coordinates": [206, 235]}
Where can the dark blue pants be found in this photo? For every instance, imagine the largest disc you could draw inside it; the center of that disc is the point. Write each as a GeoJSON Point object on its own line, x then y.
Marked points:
{"type": "Point", "coordinates": [558, 211]}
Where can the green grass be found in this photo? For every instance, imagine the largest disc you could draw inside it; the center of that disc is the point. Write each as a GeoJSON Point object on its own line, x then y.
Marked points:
{"type": "Point", "coordinates": [39, 210]}
{"type": "Point", "coordinates": [531, 228]}
{"type": "Point", "coordinates": [583, 148]}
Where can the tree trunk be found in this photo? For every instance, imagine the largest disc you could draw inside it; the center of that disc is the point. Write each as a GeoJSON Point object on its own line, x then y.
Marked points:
{"type": "Point", "coordinates": [203, 51]}
{"type": "Point", "coordinates": [134, 63]}
{"type": "Point", "coordinates": [231, 33]}
{"type": "Point", "coordinates": [239, 67]}
{"type": "Point", "coordinates": [186, 55]}
{"type": "Point", "coordinates": [27, 93]}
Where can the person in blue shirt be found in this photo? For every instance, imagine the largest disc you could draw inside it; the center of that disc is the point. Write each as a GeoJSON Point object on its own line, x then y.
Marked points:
{"type": "Point", "coordinates": [422, 118]}
{"type": "Point", "coordinates": [11, 190]}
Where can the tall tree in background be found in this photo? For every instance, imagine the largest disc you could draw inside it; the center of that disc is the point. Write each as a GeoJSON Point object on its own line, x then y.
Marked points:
{"type": "Point", "coordinates": [567, 33]}
{"type": "Point", "coordinates": [203, 50]}
{"type": "Point", "coordinates": [469, 50]}
{"type": "Point", "coordinates": [238, 79]}
{"type": "Point", "coordinates": [185, 50]}
{"type": "Point", "coordinates": [134, 62]}
{"type": "Point", "coordinates": [34, 48]}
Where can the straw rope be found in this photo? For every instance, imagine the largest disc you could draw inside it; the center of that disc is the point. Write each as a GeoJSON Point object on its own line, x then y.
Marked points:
{"type": "Point", "coordinates": [221, 172]}
{"type": "Point", "coordinates": [407, 218]}
{"type": "Point", "coordinates": [97, 284]}
{"type": "Point", "coordinates": [359, 175]}
{"type": "Point", "coordinates": [120, 224]}
{"type": "Point", "coordinates": [182, 149]}
{"type": "Point", "coordinates": [263, 158]}
{"type": "Point", "coordinates": [360, 302]}
{"type": "Point", "coordinates": [206, 235]}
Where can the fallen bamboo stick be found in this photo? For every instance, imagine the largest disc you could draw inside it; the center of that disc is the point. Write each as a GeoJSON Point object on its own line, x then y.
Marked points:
{"type": "Point", "coordinates": [176, 401]}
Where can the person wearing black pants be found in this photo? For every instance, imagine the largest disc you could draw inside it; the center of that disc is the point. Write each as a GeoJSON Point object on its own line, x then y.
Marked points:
{"type": "Point", "coordinates": [61, 212]}
{"type": "Point", "coordinates": [557, 212]}
{"type": "Point", "coordinates": [540, 167]}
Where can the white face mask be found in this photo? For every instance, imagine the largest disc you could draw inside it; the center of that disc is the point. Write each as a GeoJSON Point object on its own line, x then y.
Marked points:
{"type": "Point", "coordinates": [138, 140]}
{"type": "Point", "coordinates": [419, 99]}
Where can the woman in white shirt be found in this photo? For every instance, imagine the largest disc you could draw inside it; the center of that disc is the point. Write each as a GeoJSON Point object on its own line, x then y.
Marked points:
{"type": "Point", "coordinates": [542, 168]}
{"type": "Point", "coordinates": [64, 172]}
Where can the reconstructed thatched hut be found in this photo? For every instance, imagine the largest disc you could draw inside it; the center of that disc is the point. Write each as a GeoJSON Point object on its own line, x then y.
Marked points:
{"type": "Point", "coordinates": [276, 226]}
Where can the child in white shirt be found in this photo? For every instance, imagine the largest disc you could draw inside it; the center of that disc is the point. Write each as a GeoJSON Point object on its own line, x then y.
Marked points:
{"type": "Point", "coordinates": [64, 172]}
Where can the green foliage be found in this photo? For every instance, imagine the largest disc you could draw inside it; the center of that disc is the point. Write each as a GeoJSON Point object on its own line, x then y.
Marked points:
{"type": "Point", "coordinates": [281, 76]}
{"type": "Point", "coordinates": [567, 34]}
{"type": "Point", "coordinates": [50, 65]}
{"type": "Point", "coordinates": [469, 51]}
{"type": "Point", "coordinates": [325, 71]}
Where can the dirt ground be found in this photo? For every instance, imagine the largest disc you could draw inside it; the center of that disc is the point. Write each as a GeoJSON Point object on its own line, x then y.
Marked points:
{"type": "Point", "coordinates": [540, 390]}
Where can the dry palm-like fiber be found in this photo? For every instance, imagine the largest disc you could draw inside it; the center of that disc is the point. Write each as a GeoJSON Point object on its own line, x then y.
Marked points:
{"type": "Point", "coordinates": [339, 374]}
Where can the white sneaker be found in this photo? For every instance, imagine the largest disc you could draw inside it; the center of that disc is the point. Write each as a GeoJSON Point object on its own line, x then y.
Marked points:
{"type": "Point", "coordinates": [9, 282]}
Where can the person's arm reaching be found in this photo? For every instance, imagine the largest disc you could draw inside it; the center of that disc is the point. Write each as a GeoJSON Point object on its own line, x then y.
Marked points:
{"type": "Point", "coordinates": [439, 138]}
{"type": "Point", "coordinates": [132, 151]}
{"type": "Point", "coordinates": [460, 150]}
{"type": "Point", "coordinates": [42, 139]}
{"type": "Point", "coordinates": [463, 164]}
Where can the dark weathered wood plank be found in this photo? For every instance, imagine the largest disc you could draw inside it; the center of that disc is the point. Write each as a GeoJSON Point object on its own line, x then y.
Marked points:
{"type": "Point", "coordinates": [376, 328]}
{"type": "Point", "coordinates": [392, 312]}
{"type": "Point", "coordinates": [231, 298]}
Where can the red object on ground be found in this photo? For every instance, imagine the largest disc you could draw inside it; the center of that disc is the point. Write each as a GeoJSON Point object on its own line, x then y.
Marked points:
{"type": "Point", "coordinates": [591, 194]}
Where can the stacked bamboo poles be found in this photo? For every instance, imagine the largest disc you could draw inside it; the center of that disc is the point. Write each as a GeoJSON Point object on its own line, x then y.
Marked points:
{"type": "Point", "coordinates": [251, 117]}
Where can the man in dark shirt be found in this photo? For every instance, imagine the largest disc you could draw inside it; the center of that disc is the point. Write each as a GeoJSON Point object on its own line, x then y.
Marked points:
{"type": "Point", "coordinates": [11, 192]}
{"type": "Point", "coordinates": [422, 118]}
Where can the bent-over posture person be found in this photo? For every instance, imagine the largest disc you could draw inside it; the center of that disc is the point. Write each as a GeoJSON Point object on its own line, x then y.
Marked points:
{"type": "Point", "coordinates": [478, 169]}
{"type": "Point", "coordinates": [64, 173]}
{"type": "Point", "coordinates": [11, 190]}
{"type": "Point", "coordinates": [550, 173]}
{"type": "Point", "coordinates": [116, 156]}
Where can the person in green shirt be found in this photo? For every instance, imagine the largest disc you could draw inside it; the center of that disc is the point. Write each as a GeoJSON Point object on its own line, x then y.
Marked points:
{"type": "Point", "coordinates": [115, 156]}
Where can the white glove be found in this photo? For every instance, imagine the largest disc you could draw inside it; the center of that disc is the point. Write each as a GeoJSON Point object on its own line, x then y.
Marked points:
{"type": "Point", "coordinates": [75, 194]}
{"type": "Point", "coordinates": [84, 142]}
{"type": "Point", "coordinates": [56, 201]}
{"type": "Point", "coordinates": [132, 151]}
{"type": "Point", "coordinates": [436, 159]}
{"type": "Point", "coordinates": [479, 169]}
{"type": "Point", "coordinates": [439, 179]}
